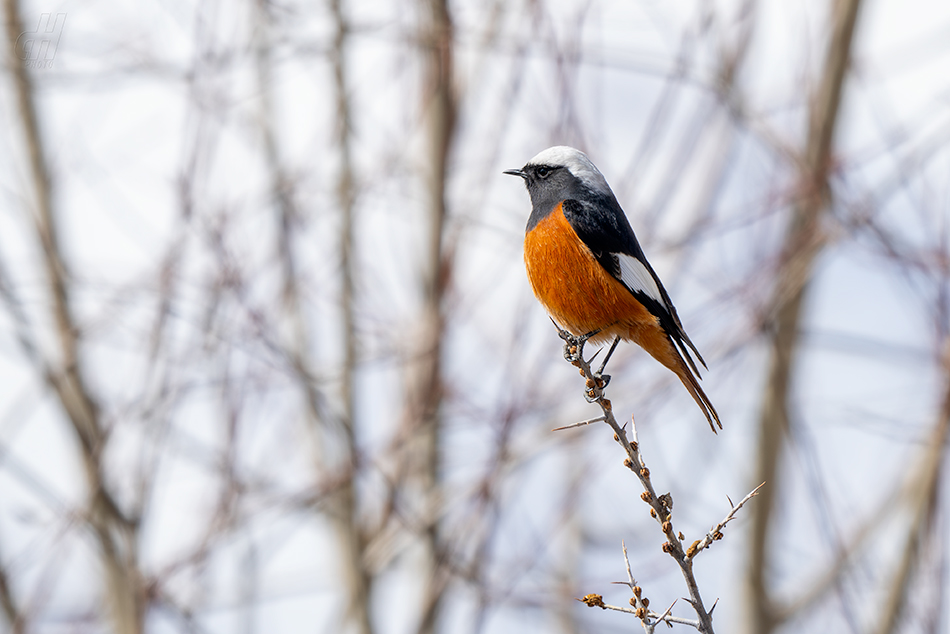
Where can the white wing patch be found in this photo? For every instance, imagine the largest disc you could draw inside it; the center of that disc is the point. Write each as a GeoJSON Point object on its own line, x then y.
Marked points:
{"type": "Point", "coordinates": [636, 277]}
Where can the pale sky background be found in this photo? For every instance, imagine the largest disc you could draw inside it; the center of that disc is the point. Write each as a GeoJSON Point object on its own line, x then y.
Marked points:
{"type": "Point", "coordinates": [121, 117]}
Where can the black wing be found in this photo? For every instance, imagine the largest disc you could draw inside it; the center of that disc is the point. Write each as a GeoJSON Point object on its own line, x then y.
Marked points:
{"type": "Point", "coordinates": [604, 228]}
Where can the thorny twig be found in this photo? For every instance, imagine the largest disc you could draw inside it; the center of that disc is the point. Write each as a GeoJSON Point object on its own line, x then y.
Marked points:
{"type": "Point", "coordinates": [715, 534]}
{"type": "Point", "coordinates": [641, 604]}
{"type": "Point", "coordinates": [660, 507]}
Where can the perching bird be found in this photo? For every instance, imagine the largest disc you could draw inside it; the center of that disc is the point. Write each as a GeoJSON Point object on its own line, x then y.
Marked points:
{"type": "Point", "coordinates": [588, 270]}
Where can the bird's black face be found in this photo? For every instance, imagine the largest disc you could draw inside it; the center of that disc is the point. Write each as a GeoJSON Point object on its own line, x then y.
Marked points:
{"type": "Point", "coordinates": [547, 184]}
{"type": "Point", "coordinates": [531, 173]}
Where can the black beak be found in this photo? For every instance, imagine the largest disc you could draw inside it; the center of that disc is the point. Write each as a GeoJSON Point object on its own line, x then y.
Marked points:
{"type": "Point", "coordinates": [520, 173]}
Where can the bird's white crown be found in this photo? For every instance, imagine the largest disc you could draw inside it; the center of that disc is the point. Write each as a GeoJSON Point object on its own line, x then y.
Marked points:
{"type": "Point", "coordinates": [576, 163]}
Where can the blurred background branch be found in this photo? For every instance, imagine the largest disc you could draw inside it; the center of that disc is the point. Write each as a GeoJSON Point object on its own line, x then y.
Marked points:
{"type": "Point", "coordinates": [115, 533]}
{"type": "Point", "coordinates": [270, 361]}
{"type": "Point", "coordinates": [424, 460]}
{"type": "Point", "coordinates": [804, 240]}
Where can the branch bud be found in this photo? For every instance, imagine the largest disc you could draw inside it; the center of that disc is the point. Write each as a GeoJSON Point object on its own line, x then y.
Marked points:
{"type": "Point", "coordinates": [594, 601]}
{"type": "Point", "coordinates": [692, 550]}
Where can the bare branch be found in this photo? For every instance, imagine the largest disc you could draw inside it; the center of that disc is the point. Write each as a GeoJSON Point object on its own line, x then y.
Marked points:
{"type": "Point", "coordinates": [660, 505]}
{"type": "Point", "coordinates": [341, 505]}
{"type": "Point", "coordinates": [582, 423]}
{"type": "Point", "coordinates": [11, 611]}
{"type": "Point", "coordinates": [715, 533]}
{"type": "Point", "coordinates": [115, 534]}
{"type": "Point", "coordinates": [425, 378]}
{"type": "Point", "coordinates": [922, 488]}
{"type": "Point", "coordinates": [803, 242]}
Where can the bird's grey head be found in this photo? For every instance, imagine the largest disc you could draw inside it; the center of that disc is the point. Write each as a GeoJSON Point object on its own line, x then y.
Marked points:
{"type": "Point", "coordinates": [558, 173]}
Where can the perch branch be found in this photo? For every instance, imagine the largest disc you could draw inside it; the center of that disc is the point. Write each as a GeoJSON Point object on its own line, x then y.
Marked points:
{"type": "Point", "coordinates": [660, 505]}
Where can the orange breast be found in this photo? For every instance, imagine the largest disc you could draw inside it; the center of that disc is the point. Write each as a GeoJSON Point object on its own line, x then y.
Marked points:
{"type": "Point", "coordinates": [576, 290]}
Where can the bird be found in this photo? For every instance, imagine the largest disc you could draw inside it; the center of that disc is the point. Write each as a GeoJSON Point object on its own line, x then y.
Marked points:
{"type": "Point", "coordinates": [587, 268]}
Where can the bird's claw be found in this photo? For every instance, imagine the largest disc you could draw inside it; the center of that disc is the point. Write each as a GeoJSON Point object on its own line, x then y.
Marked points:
{"type": "Point", "coordinates": [595, 387]}
{"type": "Point", "coordinates": [574, 345]}
{"type": "Point", "coordinates": [574, 354]}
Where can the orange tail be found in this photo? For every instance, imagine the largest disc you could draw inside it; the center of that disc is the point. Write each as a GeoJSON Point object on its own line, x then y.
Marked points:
{"type": "Point", "coordinates": [661, 347]}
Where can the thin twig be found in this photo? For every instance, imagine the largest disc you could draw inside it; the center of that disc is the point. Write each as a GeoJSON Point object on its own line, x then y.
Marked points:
{"type": "Point", "coordinates": [667, 618]}
{"type": "Point", "coordinates": [660, 505]}
{"type": "Point", "coordinates": [580, 424]}
{"type": "Point", "coordinates": [639, 603]}
{"type": "Point", "coordinates": [715, 534]}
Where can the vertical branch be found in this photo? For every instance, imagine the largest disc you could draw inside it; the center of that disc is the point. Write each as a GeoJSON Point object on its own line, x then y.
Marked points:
{"type": "Point", "coordinates": [661, 505]}
{"type": "Point", "coordinates": [15, 618]}
{"type": "Point", "coordinates": [358, 578]}
{"type": "Point", "coordinates": [923, 500]}
{"type": "Point", "coordinates": [425, 396]}
{"type": "Point", "coordinates": [346, 199]}
{"type": "Point", "coordinates": [116, 534]}
{"type": "Point", "coordinates": [342, 504]}
{"type": "Point", "coordinates": [803, 243]}
{"type": "Point", "coordinates": [7, 603]}
{"type": "Point", "coordinates": [296, 343]}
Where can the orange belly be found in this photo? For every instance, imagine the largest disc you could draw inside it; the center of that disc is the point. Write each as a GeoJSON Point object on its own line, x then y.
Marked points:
{"type": "Point", "coordinates": [578, 293]}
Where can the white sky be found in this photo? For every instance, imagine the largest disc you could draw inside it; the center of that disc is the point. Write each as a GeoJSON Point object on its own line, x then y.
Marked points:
{"type": "Point", "coordinates": [121, 118]}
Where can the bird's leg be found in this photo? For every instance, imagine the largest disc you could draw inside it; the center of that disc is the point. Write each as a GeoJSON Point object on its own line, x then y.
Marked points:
{"type": "Point", "coordinates": [573, 345]}
{"type": "Point", "coordinates": [574, 353]}
{"type": "Point", "coordinates": [600, 373]}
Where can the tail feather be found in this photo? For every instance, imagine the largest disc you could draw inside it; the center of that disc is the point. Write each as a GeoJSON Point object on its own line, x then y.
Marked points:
{"type": "Point", "coordinates": [670, 351]}
{"type": "Point", "coordinates": [684, 337]}
{"type": "Point", "coordinates": [684, 353]}
{"type": "Point", "coordinates": [692, 385]}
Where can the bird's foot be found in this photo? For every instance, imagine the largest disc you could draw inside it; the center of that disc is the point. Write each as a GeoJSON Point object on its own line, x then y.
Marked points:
{"type": "Point", "coordinates": [574, 354]}
{"type": "Point", "coordinates": [574, 345]}
{"type": "Point", "coordinates": [592, 396]}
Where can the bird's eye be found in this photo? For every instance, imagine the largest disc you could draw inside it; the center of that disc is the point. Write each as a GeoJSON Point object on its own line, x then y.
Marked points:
{"type": "Point", "coordinates": [544, 171]}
